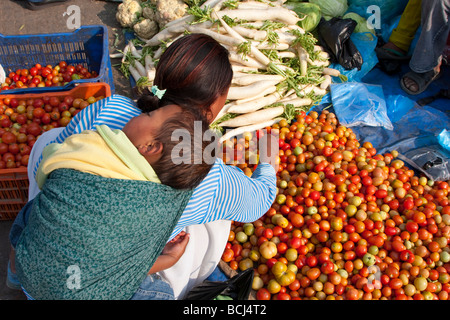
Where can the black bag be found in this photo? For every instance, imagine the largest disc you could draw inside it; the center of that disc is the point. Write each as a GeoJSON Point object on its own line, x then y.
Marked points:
{"type": "Point", "coordinates": [334, 37]}
{"type": "Point", "coordinates": [236, 288]}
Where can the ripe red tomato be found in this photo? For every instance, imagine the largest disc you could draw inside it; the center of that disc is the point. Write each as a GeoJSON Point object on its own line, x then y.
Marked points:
{"type": "Point", "coordinates": [268, 233]}
{"type": "Point", "coordinates": [46, 71]}
{"type": "Point", "coordinates": [9, 137]}
{"type": "Point", "coordinates": [63, 106]}
{"type": "Point", "coordinates": [34, 129]}
{"type": "Point", "coordinates": [412, 226]}
{"type": "Point", "coordinates": [8, 156]}
{"type": "Point", "coordinates": [408, 204]}
{"type": "Point", "coordinates": [14, 148]}
{"type": "Point", "coordinates": [381, 193]}
{"type": "Point", "coordinates": [312, 261]}
{"type": "Point", "coordinates": [38, 112]}
{"type": "Point", "coordinates": [294, 242]}
{"type": "Point", "coordinates": [3, 148]}
{"type": "Point", "coordinates": [361, 250]}
{"type": "Point", "coordinates": [327, 267]}
{"type": "Point", "coordinates": [227, 255]}
{"type": "Point", "coordinates": [54, 101]}
{"type": "Point", "coordinates": [407, 256]}
{"type": "Point", "coordinates": [263, 294]}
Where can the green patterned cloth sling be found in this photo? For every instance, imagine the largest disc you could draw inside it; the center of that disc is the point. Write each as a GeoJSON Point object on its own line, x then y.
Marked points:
{"type": "Point", "coordinates": [91, 237]}
{"type": "Point", "coordinates": [99, 246]}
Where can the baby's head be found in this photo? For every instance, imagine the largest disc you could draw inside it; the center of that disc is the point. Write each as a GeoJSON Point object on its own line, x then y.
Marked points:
{"type": "Point", "coordinates": [151, 133]}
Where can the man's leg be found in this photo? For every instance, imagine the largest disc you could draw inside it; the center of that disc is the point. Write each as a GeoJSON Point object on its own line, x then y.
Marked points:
{"type": "Point", "coordinates": [403, 35]}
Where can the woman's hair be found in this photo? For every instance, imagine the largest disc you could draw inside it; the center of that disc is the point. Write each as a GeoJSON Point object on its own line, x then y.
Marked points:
{"type": "Point", "coordinates": [182, 164]}
{"type": "Point", "coordinates": [194, 70]}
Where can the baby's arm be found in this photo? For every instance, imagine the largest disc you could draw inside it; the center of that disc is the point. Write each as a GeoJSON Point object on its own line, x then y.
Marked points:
{"type": "Point", "coordinates": [171, 253]}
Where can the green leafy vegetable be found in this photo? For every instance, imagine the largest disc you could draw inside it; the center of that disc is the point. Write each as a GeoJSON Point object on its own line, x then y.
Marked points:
{"type": "Point", "coordinates": [332, 8]}
{"type": "Point", "coordinates": [309, 13]}
{"type": "Point", "coordinates": [361, 22]}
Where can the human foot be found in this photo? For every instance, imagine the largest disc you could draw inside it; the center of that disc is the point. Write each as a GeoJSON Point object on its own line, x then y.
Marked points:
{"type": "Point", "coordinates": [389, 51]}
{"type": "Point", "coordinates": [393, 48]}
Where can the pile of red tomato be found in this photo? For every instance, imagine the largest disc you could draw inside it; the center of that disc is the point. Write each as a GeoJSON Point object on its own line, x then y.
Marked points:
{"type": "Point", "coordinates": [347, 223]}
{"type": "Point", "coordinates": [22, 121]}
{"type": "Point", "coordinates": [46, 76]}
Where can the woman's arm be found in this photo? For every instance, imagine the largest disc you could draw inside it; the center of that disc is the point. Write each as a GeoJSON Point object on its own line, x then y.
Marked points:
{"type": "Point", "coordinates": [252, 197]}
{"type": "Point", "coordinates": [228, 194]}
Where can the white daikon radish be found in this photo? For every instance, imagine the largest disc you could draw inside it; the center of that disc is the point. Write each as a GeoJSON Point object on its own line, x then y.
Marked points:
{"type": "Point", "coordinates": [253, 117]}
{"type": "Point", "coordinates": [250, 128]}
{"type": "Point", "coordinates": [242, 92]}
{"type": "Point", "coordinates": [255, 104]}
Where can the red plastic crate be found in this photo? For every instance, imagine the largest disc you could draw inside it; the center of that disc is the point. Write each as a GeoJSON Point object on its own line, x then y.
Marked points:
{"type": "Point", "coordinates": [13, 192]}
{"type": "Point", "coordinates": [14, 182]}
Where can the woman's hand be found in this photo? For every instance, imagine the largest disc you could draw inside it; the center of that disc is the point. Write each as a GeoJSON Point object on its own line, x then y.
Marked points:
{"type": "Point", "coordinates": [171, 253]}
{"type": "Point", "coordinates": [269, 150]}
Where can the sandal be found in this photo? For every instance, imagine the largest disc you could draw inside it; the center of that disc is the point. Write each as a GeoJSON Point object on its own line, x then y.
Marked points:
{"type": "Point", "coordinates": [422, 80]}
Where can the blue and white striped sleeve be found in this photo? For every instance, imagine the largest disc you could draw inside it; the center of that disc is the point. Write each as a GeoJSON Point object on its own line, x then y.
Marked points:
{"type": "Point", "coordinates": [228, 194]}
{"type": "Point", "coordinates": [241, 198]}
{"type": "Point", "coordinates": [114, 111]}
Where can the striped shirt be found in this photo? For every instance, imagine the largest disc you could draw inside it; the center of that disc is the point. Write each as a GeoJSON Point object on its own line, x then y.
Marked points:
{"type": "Point", "coordinates": [226, 193]}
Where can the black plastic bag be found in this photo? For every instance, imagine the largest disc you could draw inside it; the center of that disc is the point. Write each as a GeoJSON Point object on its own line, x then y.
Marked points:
{"type": "Point", "coordinates": [334, 37]}
{"type": "Point", "coordinates": [431, 160]}
{"type": "Point", "coordinates": [237, 288]}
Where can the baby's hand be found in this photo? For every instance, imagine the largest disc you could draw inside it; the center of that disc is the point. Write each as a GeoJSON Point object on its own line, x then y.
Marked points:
{"type": "Point", "coordinates": [176, 247]}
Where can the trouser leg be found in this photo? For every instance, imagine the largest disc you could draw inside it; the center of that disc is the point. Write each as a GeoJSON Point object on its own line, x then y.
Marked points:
{"type": "Point", "coordinates": [432, 40]}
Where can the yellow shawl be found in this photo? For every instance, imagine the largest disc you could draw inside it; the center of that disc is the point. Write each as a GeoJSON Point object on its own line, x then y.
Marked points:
{"type": "Point", "coordinates": [105, 152]}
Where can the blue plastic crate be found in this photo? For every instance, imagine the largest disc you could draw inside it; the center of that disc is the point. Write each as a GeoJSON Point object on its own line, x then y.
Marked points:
{"type": "Point", "coordinates": [87, 45]}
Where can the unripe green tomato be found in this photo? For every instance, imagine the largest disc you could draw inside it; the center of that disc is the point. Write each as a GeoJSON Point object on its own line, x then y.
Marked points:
{"type": "Point", "coordinates": [291, 254]}
{"type": "Point", "coordinates": [373, 250]}
{"type": "Point", "coordinates": [254, 255]}
{"type": "Point", "coordinates": [245, 264]}
{"type": "Point", "coordinates": [298, 150]}
{"type": "Point", "coordinates": [355, 200]}
{"type": "Point", "coordinates": [257, 283]}
{"type": "Point", "coordinates": [445, 256]}
{"type": "Point", "coordinates": [283, 184]}
{"type": "Point", "coordinates": [241, 237]}
{"type": "Point", "coordinates": [281, 199]}
{"type": "Point", "coordinates": [420, 283]}
{"type": "Point", "coordinates": [249, 228]}
{"type": "Point", "coordinates": [369, 259]}
{"type": "Point", "coordinates": [311, 210]}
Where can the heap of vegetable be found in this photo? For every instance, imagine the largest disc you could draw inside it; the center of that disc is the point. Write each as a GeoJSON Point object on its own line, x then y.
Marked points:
{"type": "Point", "coordinates": [278, 68]}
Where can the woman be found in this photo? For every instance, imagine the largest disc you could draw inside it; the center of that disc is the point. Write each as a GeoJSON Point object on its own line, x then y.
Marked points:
{"type": "Point", "coordinates": [194, 72]}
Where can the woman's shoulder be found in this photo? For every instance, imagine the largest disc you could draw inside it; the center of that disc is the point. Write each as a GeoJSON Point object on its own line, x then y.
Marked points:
{"type": "Point", "coordinates": [214, 177]}
{"type": "Point", "coordinates": [122, 98]}
{"type": "Point", "coordinates": [119, 101]}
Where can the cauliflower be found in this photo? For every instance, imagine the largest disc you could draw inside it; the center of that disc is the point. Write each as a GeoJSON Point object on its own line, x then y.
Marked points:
{"type": "Point", "coordinates": [146, 28]}
{"type": "Point", "coordinates": [148, 13]}
{"type": "Point", "coordinates": [168, 10]}
{"type": "Point", "coordinates": [128, 13]}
